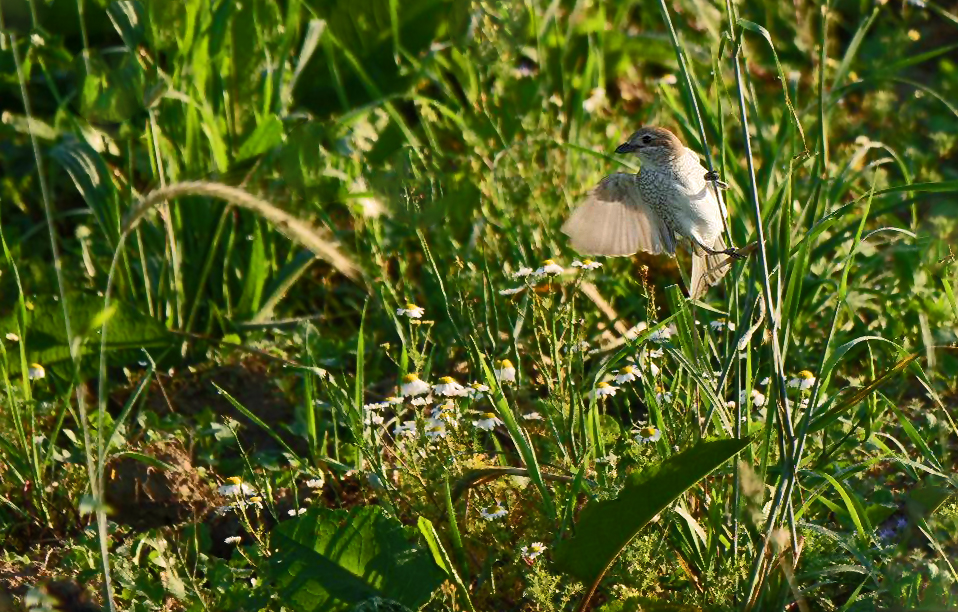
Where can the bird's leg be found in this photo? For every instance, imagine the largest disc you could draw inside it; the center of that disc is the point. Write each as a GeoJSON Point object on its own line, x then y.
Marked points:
{"type": "Point", "coordinates": [713, 177]}
{"type": "Point", "coordinates": [731, 251]}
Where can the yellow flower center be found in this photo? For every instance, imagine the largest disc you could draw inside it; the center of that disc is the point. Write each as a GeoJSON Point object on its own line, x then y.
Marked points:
{"type": "Point", "coordinates": [489, 415]}
{"type": "Point", "coordinates": [647, 432]}
{"type": "Point", "coordinates": [603, 385]}
{"type": "Point", "coordinates": [446, 380]}
{"type": "Point", "coordinates": [234, 480]}
{"type": "Point", "coordinates": [255, 500]}
{"type": "Point", "coordinates": [548, 262]}
{"type": "Point", "coordinates": [806, 374]}
{"type": "Point", "coordinates": [505, 363]}
{"type": "Point", "coordinates": [659, 389]}
{"type": "Point", "coordinates": [411, 306]}
{"type": "Point", "coordinates": [628, 369]}
{"type": "Point", "coordinates": [587, 262]}
{"type": "Point", "coordinates": [408, 378]}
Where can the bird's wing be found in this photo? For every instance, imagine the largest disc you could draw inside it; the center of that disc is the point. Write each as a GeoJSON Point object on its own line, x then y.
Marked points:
{"type": "Point", "coordinates": [614, 219]}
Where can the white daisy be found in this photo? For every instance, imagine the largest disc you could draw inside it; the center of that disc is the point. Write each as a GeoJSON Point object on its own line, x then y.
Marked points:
{"type": "Point", "coordinates": [447, 413]}
{"type": "Point", "coordinates": [611, 459]}
{"type": "Point", "coordinates": [375, 406]}
{"type": "Point", "coordinates": [233, 540]}
{"type": "Point", "coordinates": [411, 310]}
{"type": "Point", "coordinates": [374, 419]}
{"type": "Point", "coordinates": [493, 512]}
{"type": "Point", "coordinates": [316, 483]}
{"type": "Point", "coordinates": [662, 395]}
{"type": "Point", "coordinates": [523, 272]}
{"type": "Point", "coordinates": [406, 428]}
{"type": "Point", "coordinates": [488, 422]}
{"type": "Point", "coordinates": [648, 434]}
{"type": "Point", "coordinates": [582, 346]}
{"type": "Point", "coordinates": [413, 385]}
{"type": "Point", "coordinates": [595, 101]}
{"type": "Point", "coordinates": [656, 353]}
{"type": "Point", "coordinates": [549, 267]}
{"type": "Point", "coordinates": [669, 79]}
{"type": "Point", "coordinates": [512, 291]}
{"type": "Point", "coordinates": [422, 400]}
{"type": "Point", "coordinates": [36, 371]}
{"type": "Point", "coordinates": [448, 387]}
{"type": "Point", "coordinates": [505, 371]}
{"type": "Point", "coordinates": [764, 382]}
{"type": "Point", "coordinates": [435, 428]}
{"type": "Point", "coordinates": [661, 335]}
{"type": "Point", "coordinates": [532, 416]}
{"type": "Point", "coordinates": [604, 389]}
{"type": "Point", "coordinates": [587, 264]}
{"type": "Point", "coordinates": [626, 375]}
{"type": "Point", "coordinates": [296, 512]}
{"type": "Point", "coordinates": [236, 487]}
{"type": "Point", "coordinates": [393, 400]}
{"type": "Point", "coordinates": [12, 337]}
{"type": "Point", "coordinates": [477, 391]}
{"type": "Point", "coordinates": [758, 398]}
{"type": "Point", "coordinates": [533, 550]}
{"type": "Point", "coordinates": [804, 380]}
{"type": "Point", "coordinates": [720, 324]}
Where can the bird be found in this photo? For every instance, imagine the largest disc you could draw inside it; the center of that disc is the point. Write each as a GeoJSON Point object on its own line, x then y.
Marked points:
{"type": "Point", "coordinates": [670, 198]}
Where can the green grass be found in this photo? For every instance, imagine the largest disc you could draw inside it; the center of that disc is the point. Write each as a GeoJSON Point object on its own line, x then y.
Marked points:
{"type": "Point", "coordinates": [241, 196]}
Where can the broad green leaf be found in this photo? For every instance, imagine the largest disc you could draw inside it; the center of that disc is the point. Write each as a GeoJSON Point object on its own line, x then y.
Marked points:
{"type": "Point", "coordinates": [267, 135]}
{"type": "Point", "coordinates": [606, 527]}
{"type": "Point", "coordinates": [334, 560]}
{"type": "Point", "coordinates": [46, 335]}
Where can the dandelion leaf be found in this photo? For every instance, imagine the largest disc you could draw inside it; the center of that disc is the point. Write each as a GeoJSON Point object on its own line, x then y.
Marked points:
{"type": "Point", "coordinates": [335, 560]}
{"type": "Point", "coordinates": [605, 527]}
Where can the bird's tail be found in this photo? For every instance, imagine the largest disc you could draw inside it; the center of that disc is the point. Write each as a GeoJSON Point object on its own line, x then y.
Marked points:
{"type": "Point", "coordinates": [708, 270]}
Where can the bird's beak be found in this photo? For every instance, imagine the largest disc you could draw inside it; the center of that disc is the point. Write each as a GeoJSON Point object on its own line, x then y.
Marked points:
{"type": "Point", "coordinates": [625, 147]}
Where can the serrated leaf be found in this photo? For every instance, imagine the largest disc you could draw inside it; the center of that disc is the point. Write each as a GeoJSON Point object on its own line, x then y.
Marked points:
{"type": "Point", "coordinates": [605, 527]}
{"type": "Point", "coordinates": [333, 560]}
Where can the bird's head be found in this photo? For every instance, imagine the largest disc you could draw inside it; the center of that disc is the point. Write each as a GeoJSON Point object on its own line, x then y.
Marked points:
{"type": "Point", "coordinates": [652, 145]}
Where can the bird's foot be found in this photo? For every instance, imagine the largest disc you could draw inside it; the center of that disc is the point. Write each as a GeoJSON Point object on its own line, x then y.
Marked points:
{"type": "Point", "coordinates": [713, 177]}
{"type": "Point", "coordinates": [734, 253]}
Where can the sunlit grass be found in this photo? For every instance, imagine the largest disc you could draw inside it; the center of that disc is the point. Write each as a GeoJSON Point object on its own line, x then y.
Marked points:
{"type": "Point", "coordinates": [317, 246]}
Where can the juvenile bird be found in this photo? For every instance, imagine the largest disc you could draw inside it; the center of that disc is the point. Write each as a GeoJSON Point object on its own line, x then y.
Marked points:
{"type": "Point", "coordinates": [668, 198]}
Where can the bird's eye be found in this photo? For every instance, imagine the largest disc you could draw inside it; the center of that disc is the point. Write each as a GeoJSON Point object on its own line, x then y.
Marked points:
{"type": "Point", "coordinates": [646, 139]}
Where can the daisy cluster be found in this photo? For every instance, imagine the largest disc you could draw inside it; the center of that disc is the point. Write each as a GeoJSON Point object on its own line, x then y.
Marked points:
{"type": "Point", "coordinates": [441, 407]}
{"type": "Point", "coordinates": [633, 371]}
{"type": "Point", "coordinates": [548, 269]}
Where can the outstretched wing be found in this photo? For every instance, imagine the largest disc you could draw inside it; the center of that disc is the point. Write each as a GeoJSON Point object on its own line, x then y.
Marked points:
{"type": "Point", "coordinates": [614, 219]}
